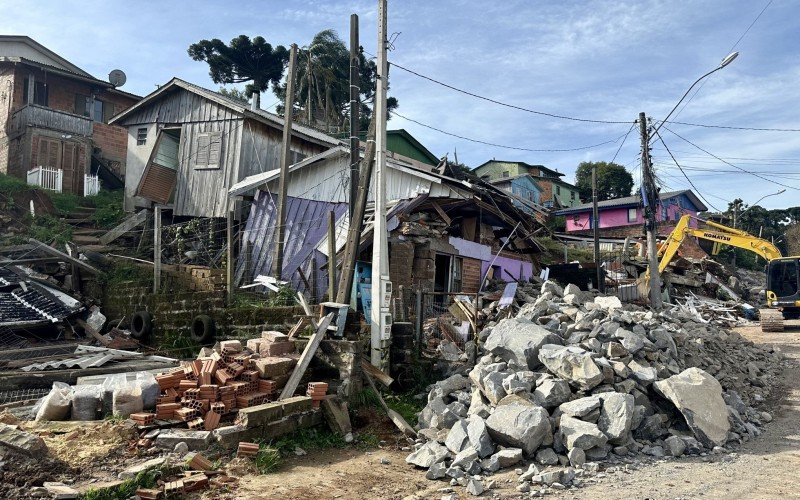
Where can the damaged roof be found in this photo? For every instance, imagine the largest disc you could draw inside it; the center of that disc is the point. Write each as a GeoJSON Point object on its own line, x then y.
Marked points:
{"type": "Point", "coordinates": [26, 303]}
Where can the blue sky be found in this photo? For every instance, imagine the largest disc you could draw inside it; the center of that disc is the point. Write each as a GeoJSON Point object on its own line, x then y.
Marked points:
{"type": "Point", "coordinates": [604, 60]}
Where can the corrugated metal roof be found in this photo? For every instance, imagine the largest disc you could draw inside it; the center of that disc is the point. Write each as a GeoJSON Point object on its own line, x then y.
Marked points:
{"type": "Point", "coordinates": [633, 201]}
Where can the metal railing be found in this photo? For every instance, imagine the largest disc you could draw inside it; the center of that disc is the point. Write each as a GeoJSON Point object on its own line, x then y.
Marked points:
{"type": "Point", "coordinates": [91, 185]}
{"type": "Point", "coordinates": [46, 178]}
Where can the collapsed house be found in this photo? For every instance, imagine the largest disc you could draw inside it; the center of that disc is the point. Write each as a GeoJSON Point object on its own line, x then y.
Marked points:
{"type": "Point", "coordinates": [445, 235]}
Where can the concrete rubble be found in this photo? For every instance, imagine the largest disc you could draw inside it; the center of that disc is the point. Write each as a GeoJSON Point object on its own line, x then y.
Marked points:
{"type": "Point", "coordinates": [575, 379]}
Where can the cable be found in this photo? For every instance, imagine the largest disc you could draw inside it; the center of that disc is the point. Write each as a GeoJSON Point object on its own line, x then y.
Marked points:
{"type": "Point", "coordinates": [495, 101]}
{"type": "Point", "coordinates": [684, 173]}
{"type": "Point", "coordinates": [623, 142]}
{"type": "Point", "coordinates": [478, 141]}
{"type": "Point", "coordinates": [731, 164]}
{"type": "Point", "coordinates": [757, 129]}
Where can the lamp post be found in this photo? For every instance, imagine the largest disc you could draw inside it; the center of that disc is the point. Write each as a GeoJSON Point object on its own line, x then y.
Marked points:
{"type": "Point", "coordinates": [650, 190]}
{"type": "Point", "coordinates": [726, 61]}
{"type": "Point", "coordinates": [759, 201]}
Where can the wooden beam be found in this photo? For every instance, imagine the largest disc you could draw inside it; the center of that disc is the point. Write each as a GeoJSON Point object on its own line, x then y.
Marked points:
{"type": "Point", "coordinates": [305, 358]}
{"type": "Point", "coordinates": [229, 263]}
{"type": "Point", "coordinates": [376, 372]}
{"type": "Point", "coordinates": [398, 419]}
{"type": "Point", "coordinates": [441, 213]}
{"type": "Point", "coordinates": [65, 257]}
{"type": "Point", "coordinates": [126, 225]}
{"type": "Point", "coordinates": [332, 254]}
{"type": "Point", "coordinates": [157, 250]}
{"type": "Point", "coordinates": [91, 331]}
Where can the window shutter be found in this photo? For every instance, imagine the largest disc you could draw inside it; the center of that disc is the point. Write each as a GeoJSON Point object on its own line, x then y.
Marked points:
{"type": "Point", "coordinates": [52, 155]}
{"type": "Point", "coordinates": [215, 149]}
{"type": "Point", "coordinates": [41, 155]}
{"type": "Point", "coordinates": [203, 146]}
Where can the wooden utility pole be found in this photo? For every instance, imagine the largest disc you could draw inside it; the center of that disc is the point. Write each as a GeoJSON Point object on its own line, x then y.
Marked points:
{"type": "Point", "coordinates": [355, 91]}
{"type": "Point", "coordinates": [157, 249]}
{"type": "Point", "coordinates": [380, 320]}
{"type": "Point", "coordinates": [229, 263]}
{"type": "Point", "coordinates": [596, 230]}
{"type": "Point", "coordinates": [277, 264]}
{"type": "Point", "coordinates": [331, 255]}
{"type": "Point", "coordinates": [650, 195]}
{"type": "Point", "coordinates": [357, 220]}
{"type": "Point", "coordinates": [308, 75]}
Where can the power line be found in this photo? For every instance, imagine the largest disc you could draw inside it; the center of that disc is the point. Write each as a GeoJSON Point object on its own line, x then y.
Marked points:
{"type": "Point", "coordinates": [757, 129]}
{"type": "Point", "coordinates": [500, 103]}
{"type": "Point", "coordinates": [623, 142]}
{"type": "Point", "coordinates": [478, 141]}
{"type": "Point", "coordinates": [731, 164]}
{"type": "Point", "coordinates": [684, 173]}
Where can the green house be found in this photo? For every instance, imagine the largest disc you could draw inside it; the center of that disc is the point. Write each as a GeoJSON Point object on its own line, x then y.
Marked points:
{"type": "Point", "coordinates": [556, 193]}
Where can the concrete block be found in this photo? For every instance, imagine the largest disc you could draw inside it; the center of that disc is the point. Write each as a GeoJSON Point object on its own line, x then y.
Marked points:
{"type": "Point", "coordinates": [228, 436]}
{"type": "Point", "coordinates": [277, 348]}
{"type": "Point", "coordinates": [134, 470]}
{"type": "Point", "coordinates": [296, 404]}
{"type": "Point", "coordinates": [254, 344]}
{"type": "Point", "coordinates": [336, 414]}
{"type": "Point", "coordinates": [274, 336]}
{"type": "Point", "coordinates": [259, 415]}
{"type": "Point", "coordinates": [195, 440]}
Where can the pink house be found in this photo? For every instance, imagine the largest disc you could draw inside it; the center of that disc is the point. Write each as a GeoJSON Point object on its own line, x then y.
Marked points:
{"type": "Point", "coordinates": [623, 217]}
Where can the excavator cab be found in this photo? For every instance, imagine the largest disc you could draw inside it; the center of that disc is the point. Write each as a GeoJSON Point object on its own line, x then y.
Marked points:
{"type": "Point", "coordinates": [783, 285]}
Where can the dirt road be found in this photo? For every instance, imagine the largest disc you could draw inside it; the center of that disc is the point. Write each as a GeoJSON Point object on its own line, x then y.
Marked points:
{"type": "Point", "coordinates": [764, 468]}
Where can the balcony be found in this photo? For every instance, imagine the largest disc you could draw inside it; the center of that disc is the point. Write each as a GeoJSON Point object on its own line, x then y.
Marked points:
{"type": "Point", "coordinates": [33, 115]}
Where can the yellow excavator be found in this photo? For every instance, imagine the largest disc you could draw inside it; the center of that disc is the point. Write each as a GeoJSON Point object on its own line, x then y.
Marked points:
{"type": "Point", "coordinates": [783, 276]}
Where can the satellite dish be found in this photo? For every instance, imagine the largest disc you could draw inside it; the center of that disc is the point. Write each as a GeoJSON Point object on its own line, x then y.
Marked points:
{"type": "Point", "coordinates": [117, 78]}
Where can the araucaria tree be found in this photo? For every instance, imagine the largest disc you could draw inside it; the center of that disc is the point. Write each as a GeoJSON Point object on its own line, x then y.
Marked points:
{"type": "Point", "coordinates": [613, 181]}
{"type": "Point", "coordinates": [243, 60]}
{"type": "Point", "coordinates": [322, 88]}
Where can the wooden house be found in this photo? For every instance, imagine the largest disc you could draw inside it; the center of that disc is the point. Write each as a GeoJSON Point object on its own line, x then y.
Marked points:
{"type": "Point", "coordinates": [188, 145]}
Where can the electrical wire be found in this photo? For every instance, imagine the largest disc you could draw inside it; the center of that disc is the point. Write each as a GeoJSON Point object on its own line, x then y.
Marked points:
{"type": "Point", "coordinates": [478, 141]}
{"type": "Point", "coordinates": [756, 129]}
{"type": "Point", "coordinates": [623, 142]}
{"type": "Point", "coordinates": [500, 103]}
{"type": "Point", "coordinates": [729, 163]}
{"type": "Point", "coordinates": [699, 193]}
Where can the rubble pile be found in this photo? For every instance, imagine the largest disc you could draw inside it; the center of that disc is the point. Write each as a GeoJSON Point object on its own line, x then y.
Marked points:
{"type": "Point", "coordinates": [575, 378]}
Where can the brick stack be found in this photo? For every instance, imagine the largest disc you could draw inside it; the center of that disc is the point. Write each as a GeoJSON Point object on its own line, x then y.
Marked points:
{"type": "Point", "coordinates": [247, 449]}
{"type": "Point", "coordinates": [143, 418]}
{"type": "Point", "coordinates": [317, 392]}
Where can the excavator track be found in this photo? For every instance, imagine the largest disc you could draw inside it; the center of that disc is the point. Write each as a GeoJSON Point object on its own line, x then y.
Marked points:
{"type": "Point", "coordinates": [771, 320]}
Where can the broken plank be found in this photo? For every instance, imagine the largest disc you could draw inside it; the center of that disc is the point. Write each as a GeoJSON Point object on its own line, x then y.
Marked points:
{"type": "Point", "coordinates": [91, 331]}
{"type": "Point", "coordinates": [398, 419]}
{"type": "Point", "coordinates": [126, 225]}
{"type": "Point", "coordinates": [442, 213]}
{"type": "Point", "coordinates": [65, 257]}
{"type": "Point", "coordinates": [377, 373]}
{"type": "Point", "coordinates": [297, 327]}
{"type": "Point", "coordinates": [305, 358]}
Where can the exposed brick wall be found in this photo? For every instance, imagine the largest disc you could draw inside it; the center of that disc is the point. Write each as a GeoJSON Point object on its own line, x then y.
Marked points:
{"type": "Point", "coordinates": [401, 259]}
{"type": "Point", "coordinates": [471, 275]}
{"type": "Point", "coordinates": [547, 190]}
{"type": "Point", "coordinates": [6, 107]}
{"type": "Point", "coordinates": [113, 144]}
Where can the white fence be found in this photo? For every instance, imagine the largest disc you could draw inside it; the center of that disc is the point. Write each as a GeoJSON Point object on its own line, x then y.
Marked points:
{"type": "Point", "coordinates": [91, 185]}
{"type": "Point", "coordinates": [47, 178]}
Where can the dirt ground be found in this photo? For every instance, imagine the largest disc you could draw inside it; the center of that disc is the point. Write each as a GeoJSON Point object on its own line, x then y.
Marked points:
{"type": "Point", "coordinates": [764, 468]}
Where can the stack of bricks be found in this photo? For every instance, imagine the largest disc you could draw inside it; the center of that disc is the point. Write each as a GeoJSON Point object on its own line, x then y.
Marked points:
{"type": "Point", "coordinates": [143, 418]}
{"type": "Point", "coordinates": [317, 392]}
{"type": "Point", "coordinates": [247, 449]}
{"type": "Point", "coordinates": [275, 344]}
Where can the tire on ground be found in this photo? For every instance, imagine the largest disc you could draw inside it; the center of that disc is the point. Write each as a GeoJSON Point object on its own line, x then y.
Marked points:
{"type": "Point", "coordinates": [141, 325]}
{"type": "Point", "coordinates": [203, 329]}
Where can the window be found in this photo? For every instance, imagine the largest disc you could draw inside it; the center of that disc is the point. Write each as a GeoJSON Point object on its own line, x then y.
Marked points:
{"type": "Point", "coordinates": [100, 111]}
{"type": "Point", "coordinates": [558, 189]}
{"type": "Point", "coordinates": [39, 93]}
{"type": "Point", "coordinates": [141, 136]}
{"type": "Point", "coordinates": [208, 150]}
{"type": "Point", "coordinates": [572, 195]}
{"type": "Point", "coordinates": [506, 174]}
{"type": "Point", "coordinates": [664, 213]}
{"type": "Point", "coordinates": [632, 215]}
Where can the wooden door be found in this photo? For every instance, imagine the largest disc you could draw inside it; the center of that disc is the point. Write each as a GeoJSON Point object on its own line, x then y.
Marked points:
{"type": "Point", "coordinates": [73, 174]}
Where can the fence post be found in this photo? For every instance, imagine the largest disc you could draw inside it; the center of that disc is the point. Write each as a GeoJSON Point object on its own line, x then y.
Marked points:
{"type": "Point", "coordinates": [157, 250]}
{"type": "Point", "coordinates": [419, 322]}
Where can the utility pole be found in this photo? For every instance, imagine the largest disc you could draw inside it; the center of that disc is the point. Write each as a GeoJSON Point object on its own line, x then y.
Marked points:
{"type": "Point", "coordinates": [355, 91]}
{"type": "Point", "coordinates": [650, 199]}
{"type": "Point", "coordinates": [380, 319]}
{"type": "Point", "coordinates": [596, 231]}
{"type": "Point", "coordinates": [277, 262]}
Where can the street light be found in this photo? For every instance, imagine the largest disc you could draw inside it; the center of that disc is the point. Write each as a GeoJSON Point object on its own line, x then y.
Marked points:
{"type": "Point", "coordinates": [726, 61]}
{"type": "Point", "coordinates": [759, 200]}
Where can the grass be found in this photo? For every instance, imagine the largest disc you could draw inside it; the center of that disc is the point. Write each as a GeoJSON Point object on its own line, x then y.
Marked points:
{"type": "Point", "coordinates": [108, 208]}
{"type": "Point", "coordinates": [65, 203]}
{"type": "Point", "coordinates": [267, 460]}
{"type": "Point", "coordinates": [271, 454]}
{"type": "Point", "coordinates": [145, 479]}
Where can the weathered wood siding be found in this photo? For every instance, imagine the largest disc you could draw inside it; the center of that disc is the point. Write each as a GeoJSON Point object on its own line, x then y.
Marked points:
{"type": "Point", "coordinates": [261, 149]}
{"type": "Point", "coordinates": [203, 192]}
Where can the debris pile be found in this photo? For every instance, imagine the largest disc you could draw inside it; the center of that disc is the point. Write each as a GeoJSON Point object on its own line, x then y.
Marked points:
{"type": "Point", "coordinates": [576, 378]}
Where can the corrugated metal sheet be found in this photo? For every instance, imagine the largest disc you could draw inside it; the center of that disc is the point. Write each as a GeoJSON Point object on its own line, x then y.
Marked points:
{"type": "Point", "coordinates": [306, 226]}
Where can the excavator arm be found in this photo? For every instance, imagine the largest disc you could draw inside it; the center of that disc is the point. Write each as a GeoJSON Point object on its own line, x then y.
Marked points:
{"type": "Point", "coordinates": [720, 234]}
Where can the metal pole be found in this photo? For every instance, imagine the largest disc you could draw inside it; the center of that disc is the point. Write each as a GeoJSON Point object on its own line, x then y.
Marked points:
{"type": "Point", "coordinates": [331, 255]}
{"type": "Point", "coordinates": [277, 264]}
{"type": "Point", "coordinates": [380, 338]}
{"type": "Point", "coordinates": [596, 230]}
{"type": "Point", "coordinates": [418, 321]}
{"type": "Point", "coordinates": [355, 90]}
{"type": "Point", "coordinates": [651, 206]}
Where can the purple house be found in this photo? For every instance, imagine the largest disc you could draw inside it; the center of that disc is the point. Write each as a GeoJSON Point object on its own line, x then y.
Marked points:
{"type": "Point", "coordinates": [623, 217]}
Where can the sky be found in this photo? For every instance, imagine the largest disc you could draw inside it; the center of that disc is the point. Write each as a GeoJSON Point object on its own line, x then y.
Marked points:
{"type": "Point", "coordinates": [591, 60]}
